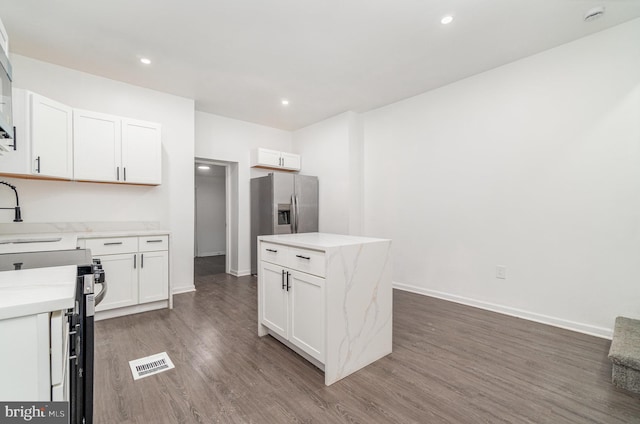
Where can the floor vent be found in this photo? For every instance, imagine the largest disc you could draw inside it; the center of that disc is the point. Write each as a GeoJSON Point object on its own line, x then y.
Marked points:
{"type": "Point", "coordinates": [150, 365]}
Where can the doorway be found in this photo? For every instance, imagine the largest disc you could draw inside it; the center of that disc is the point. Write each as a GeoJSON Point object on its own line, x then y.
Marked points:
{"type": "Point", "coordinates": [211, 218]}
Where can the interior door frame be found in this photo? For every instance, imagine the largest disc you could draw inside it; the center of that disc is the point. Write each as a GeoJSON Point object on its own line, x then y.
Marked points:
{"type": "Point", "coordinates": [227, 211]}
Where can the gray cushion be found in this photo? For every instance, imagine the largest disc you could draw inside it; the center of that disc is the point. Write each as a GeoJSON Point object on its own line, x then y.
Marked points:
{"type": "Point", "coordinates": [625, 346]}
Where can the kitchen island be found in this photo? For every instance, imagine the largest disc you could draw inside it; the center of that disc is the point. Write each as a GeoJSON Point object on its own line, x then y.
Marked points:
{"type": "Point", "coordinates": [328, 297]}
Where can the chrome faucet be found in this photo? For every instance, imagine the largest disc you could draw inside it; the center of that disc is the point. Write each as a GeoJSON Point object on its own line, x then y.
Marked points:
{"type": "Point", "coordinates": [18, 217]}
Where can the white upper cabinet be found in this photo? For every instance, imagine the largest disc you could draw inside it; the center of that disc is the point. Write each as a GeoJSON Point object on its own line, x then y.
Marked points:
{"type": "Point", "coordinates": [266, 158]}
{"type": "Point", "coordinates": [273, 159]}
{"type": "Point", "coordinates": [55, 141]}
{"type": "Point", "coordinates": [4, 39]}
{"type": "Point", "coordinates": [113, 149]}
{"type": "Point", "coordinates": [43, 143]}
{"type": "Point", "coordinates": [51, 137]}
{"type": "Point", "coordinates": [97, 147]}
{"type": "Point", "coordinates": [17, 160]}
{"type": "Point", "coordinates": [290, 161]}
{"type": "Point", "coordinates": [141, 152]}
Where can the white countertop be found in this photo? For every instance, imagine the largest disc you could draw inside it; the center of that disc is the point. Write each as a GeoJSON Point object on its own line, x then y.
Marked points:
{"type": "Point", "coordinates": [33, 291]}
{"type": "Point", "coordinates": [122, 233]}
{"type": "Point", "coordinates": [318, 241]}
{"type": "Point", "coordinates": [84, 228]}
{"type": "Point", "coordinates": [37, 242]}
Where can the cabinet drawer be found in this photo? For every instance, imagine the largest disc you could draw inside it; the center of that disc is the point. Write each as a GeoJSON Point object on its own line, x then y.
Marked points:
{"type": "Point", "coordinates": [112, 245]}
{"type": "Point", "coordinates": [274, 253]}
{"type": "Point", "coordinates": [304, 260]}
{"type": "Point", "coordinates": [153, 243]}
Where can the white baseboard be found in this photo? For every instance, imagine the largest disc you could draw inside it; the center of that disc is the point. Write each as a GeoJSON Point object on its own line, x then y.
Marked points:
{"type": "Point", "coordinates": [605, 333]}
{"type": "Point", "coordinates": [134, 309]}
{"type": "Point", "coordinates": [219, 253]}
{"type": "Point", "coordinates": [241, 273]}
{"type": "Point", "coordinates": [184, 289]}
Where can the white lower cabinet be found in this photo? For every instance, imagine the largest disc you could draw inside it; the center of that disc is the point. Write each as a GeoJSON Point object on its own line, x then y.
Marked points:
{"type": "Point", "coordinates": [122, 281]}
{"type": "Point", "coordinates": [35, 368]}
{"type": "Point", "coordinates": [153, 276]}
{"type": "Point", "coordinates": [275, 300]}
{"type": "Point", "coordinates": [293, 307]}
{"type": "Point", "coordinates": [136, 271]}
{"type": "Point", "coordinates": [306, 311]}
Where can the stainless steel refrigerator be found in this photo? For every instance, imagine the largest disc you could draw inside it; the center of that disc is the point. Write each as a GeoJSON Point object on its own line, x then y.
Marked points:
{"type": "Point", "coordinates": [282, 204]}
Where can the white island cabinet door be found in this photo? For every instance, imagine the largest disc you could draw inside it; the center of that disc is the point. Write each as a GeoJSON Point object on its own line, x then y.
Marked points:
{"type": "Point", "coordinates": [121, 276]}
{"type": "Point", "coordinates": [51, 138]}
{"type": "Point", "coordinates": [141, 152]}
{"type": "Point", "coordinates": [96, 153]}
{"type": "Point", "coordinates": [307, 303]}
{"type": "Point", "coordinates": [275, 308]}
{"type": "Point", "coordinates": [24, 359]}
{"type": "Point", "coordinates": [154, 276]}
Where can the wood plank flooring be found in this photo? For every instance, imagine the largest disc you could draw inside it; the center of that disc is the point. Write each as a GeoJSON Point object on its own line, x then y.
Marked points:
{"type": "Point", "coordinates": [451, 364]}
{"type": "Point", "coordinates": [209, 265]}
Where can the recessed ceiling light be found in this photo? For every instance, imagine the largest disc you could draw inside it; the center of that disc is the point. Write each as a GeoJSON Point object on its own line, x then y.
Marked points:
{"type": "Point", "coordinates": [285, 102]}
{"type": "Point", "coordinates": [594, 13]}
{"type": "Point", "coordinates": [145, 61]}
{"type": "Point", "coordinates": [446, 20]}
{"type": "Point", "coordinates": [204, 167]}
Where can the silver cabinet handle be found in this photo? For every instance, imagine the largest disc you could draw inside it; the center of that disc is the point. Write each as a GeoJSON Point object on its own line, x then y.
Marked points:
{"type": "Point", "coordinates": [38, 166]}
{"type": "Point", "coordinates": [154, 241]}
{"type": "Point", "coordinates": [304, 257]}
{"type": "Point", "coordinates": [283, 279]}
{"type": "Point", "coordinates": [134, 260]}
{"type": "Point", "coordinates": [297, 214]}
{"type": "Point", "coordinates": [124, 171]}
{"type": "Point", "coordinates": [272, 250]}
{"type": "Point", "coordinates": [142, 260]}
{"type": "Point", "coordinates": [117, 173]}
{"type": "Point", "coordinates": [294, 215]}
{"type": "Point", "coordinates": [288, 286]}
{"type": "Point", "coordinates": [112, 243]}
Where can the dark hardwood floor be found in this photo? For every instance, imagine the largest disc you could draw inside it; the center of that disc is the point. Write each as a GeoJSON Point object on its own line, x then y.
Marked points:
{"type": "Point", "coordinates": [209, 265]}
{"type": "Point", "coordinates": [451, 364]}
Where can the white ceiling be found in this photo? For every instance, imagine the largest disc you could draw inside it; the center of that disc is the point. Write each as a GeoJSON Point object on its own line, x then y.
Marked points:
{"type": "Point", "coordinates": [239, 58]}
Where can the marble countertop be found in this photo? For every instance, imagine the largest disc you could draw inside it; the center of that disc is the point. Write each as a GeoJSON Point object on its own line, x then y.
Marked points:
{"type": "Point", "coordinates": [33, 291]}
{"type": "Point", "coordinates": [122, 233]}
{"type": "Point", "coordinates": [84, 229]}
{"type": "Point", "coordinates": [319, 241]}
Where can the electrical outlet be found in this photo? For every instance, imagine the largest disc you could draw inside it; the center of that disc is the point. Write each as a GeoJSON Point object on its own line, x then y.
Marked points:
{"type": "Point", "coordinates": [501, 272]}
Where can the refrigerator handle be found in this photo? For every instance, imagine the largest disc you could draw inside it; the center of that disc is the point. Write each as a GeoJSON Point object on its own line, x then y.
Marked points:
{"type": "Point", "coordinates": [293, 214]}
{"type": "Point", "coordinates": [297, 213]}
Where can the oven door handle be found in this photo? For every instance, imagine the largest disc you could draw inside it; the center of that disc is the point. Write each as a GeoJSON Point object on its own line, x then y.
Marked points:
{"type": "Point", "coordinates": [102, 293]}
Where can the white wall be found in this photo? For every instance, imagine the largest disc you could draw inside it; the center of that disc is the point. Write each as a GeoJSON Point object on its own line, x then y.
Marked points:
{"type": "Point", "coordinates": [229, 140]}
{"type": "Point", "coordinates": [210, 215]}
{"type": "Point", "coordinates": [170, 204]}
{"type": "Point", "coordinates": [533, 165]}
{"type": "Point", "coordinates": [332, 150]}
